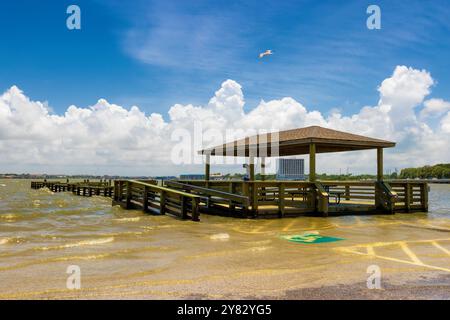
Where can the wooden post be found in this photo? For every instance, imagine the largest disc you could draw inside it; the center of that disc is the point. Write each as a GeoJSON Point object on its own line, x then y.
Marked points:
{"type": "Point", "coordinates": [378, 188]}
{"type": "Point", "coordinates": [116, 190]}
{"type": "Point", "coordinates": [183, 203]}
{"type": "Point", "coordinates": [162, 202]}
{"type": "Point", "coordinates": [281, 200]}
{"type": "Point", "coordinates": [407, 196]}
{"type": "Point", "coordinates": [254, 198]}
{"type": "Point", "coordinates": [347, 192]}
{"type": "Point", "coordinates": [128, 199]}
{"type": "Point", "coordinates": [424, 196]}
{"type": "Point", "coordinates": [195, 210]}
{"type": "Point", "coordinates": [231, 189]}
{"type": "Point", "coordinates": [312, 162]}
{"type": "Point", "coordinates": [252, 168]}
{"type": "Point", "coordinates": [145, 199]}
{"type": "Point", "coordinates": [207, 169]}
{"type": "Point", "coordinates": [379, 164]}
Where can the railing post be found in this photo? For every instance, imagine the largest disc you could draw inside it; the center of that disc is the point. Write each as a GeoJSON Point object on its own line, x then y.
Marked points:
{"type": "Point", "coordinates": [118, 190]}
{"type": "Point", "coordinates": [184, 214]}
{"type": "Point", "coordinates": [246, 193]}
{"type": "Point", "coordinates": [162, 202]}
{"type": "Point", "coordinates": [231, 189]}
{"type": "Point", "coordinates": [424, 196]}
{"type": "Point", "coordinates": [378, 196]}
{"type": "Point", "coordinates": [254, 198]}
{"type": "Point", "coordinates": [128, 195]}
{"type": "Point", "coordinates": [347, 192]}
{"type": "Point", "coordinates": [281, 200]}
{"type": "Point", "coordinates": [322, 199]}
{"type": "Point", "coordinates": [145, 199]}
{"type": "Point", "coordinates": [195, 210]}
{"type": "Point", "coordinates": [407, 196]}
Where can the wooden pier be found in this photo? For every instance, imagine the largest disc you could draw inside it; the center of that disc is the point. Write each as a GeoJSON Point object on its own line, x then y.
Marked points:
{"type": "Point", "coordinates": [260, 198]}
{"type": "Point", "coordinates": [85, 188]}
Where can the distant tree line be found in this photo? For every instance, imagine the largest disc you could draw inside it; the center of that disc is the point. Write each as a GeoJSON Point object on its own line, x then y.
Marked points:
{"type": "Point", "coordinates": [439, 171]}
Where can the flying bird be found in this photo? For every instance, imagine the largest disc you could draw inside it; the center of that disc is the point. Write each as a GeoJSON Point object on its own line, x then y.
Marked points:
{"type": "Point", "coordinates": [266, 53]}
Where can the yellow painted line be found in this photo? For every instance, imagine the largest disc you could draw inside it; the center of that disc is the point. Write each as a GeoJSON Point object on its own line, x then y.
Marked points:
{"type": "Point", "coordinates": [265, 225]}
{"type": "Point", "coordinates": [383, 244]}
{"type": "Point", "coordinates": [437, 245]}
{"type": "Point", "coordinates": [370, 251]}
{"type": "Point", "coordinates": [426, 226]}
{"type": "Point", "coordinates": [410, 253]}
{"type": "Point", "coordinates": [288, 227]}
{"type": "Point", "coordinates": [399, 260]}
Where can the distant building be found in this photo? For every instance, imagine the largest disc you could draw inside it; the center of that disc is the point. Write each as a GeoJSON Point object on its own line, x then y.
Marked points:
{"type": "Point", "coordinates": [291, 169]}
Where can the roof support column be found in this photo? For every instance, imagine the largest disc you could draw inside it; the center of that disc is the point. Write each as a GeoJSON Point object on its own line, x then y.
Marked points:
{"type": "Point", "coordinates": [312, 162]}
{"type": "Point", "coordinates": [379, 164]}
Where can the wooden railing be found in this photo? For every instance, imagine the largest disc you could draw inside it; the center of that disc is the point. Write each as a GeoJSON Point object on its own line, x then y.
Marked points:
{"type": "Point", "coordinates": [268, 197]}
{"type": "Point", "coordinates": [280, 197]}
{"type": "Point", "coordinates": [158, 200]}
{"type": "Point", "coordinates": [350, 191]}
{"type": "Point", "coordinates": [85, 188]}
{"type": "Point", "coordinates": [212, 197]}
{"type": "Point", "coordinates": [412, 195]}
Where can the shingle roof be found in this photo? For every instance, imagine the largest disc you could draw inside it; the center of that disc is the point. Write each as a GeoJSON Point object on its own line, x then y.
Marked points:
{"type": "Point", "coordinates": [297, 141]}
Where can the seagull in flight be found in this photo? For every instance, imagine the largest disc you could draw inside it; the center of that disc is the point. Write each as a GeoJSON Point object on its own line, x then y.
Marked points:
{"type": "Point", "coordinates": [266, 53]}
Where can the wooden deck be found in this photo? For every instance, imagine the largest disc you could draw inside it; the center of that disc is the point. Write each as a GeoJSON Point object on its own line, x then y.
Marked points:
{"type": "Point", "coordinates": [255, 199]}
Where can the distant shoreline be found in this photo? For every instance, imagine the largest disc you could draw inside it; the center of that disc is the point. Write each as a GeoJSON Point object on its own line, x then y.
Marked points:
{"type": "Point", "coordinates": [51, 177]}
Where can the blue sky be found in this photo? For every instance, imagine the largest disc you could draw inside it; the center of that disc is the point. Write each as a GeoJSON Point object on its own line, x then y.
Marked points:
{"type": "Point", "coordinates": [157, 53]}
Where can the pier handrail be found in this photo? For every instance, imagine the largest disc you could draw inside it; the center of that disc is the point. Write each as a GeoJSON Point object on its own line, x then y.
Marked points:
{"type": "Point", "coordinates": [155, 187]}
{"type": "Point", "coordinates": [167, 198]}
{"type": "Point", "coordinates": [244, 200]}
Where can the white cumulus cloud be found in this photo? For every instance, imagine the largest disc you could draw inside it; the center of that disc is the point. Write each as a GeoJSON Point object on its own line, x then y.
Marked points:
{"type": "Point", "coordinates": [109, 139]}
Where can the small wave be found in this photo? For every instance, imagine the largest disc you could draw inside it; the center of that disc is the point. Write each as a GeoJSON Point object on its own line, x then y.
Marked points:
{"type": "Point", "coordinates": [135, 219]}
{"type": "Point", "coordinates": [259, 249]}
{"type": "Point", "coordinates": [78, 244]}
{"type": "Point", "coordinates": [46, 190]}
{"type": "Point", "coordinates": [2, 185]}
{"type": "Point", "coordinates": [9, 217]}
{"type": "Point", "coordinates": [220, 236]}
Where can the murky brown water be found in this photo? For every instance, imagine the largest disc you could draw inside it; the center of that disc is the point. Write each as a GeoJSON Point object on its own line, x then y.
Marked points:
{"type": "Point", "coordinates": [127, 254]}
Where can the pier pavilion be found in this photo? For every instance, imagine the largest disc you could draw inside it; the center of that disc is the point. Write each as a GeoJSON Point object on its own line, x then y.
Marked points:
{"type": "Point", "coordinates": [310, 140]}
{"type": "Point", "coordinates": [280, 198]}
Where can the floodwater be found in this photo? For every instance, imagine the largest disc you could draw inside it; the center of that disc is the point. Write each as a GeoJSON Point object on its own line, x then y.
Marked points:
{"type": "Point", "coordinates": [128, 254]}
